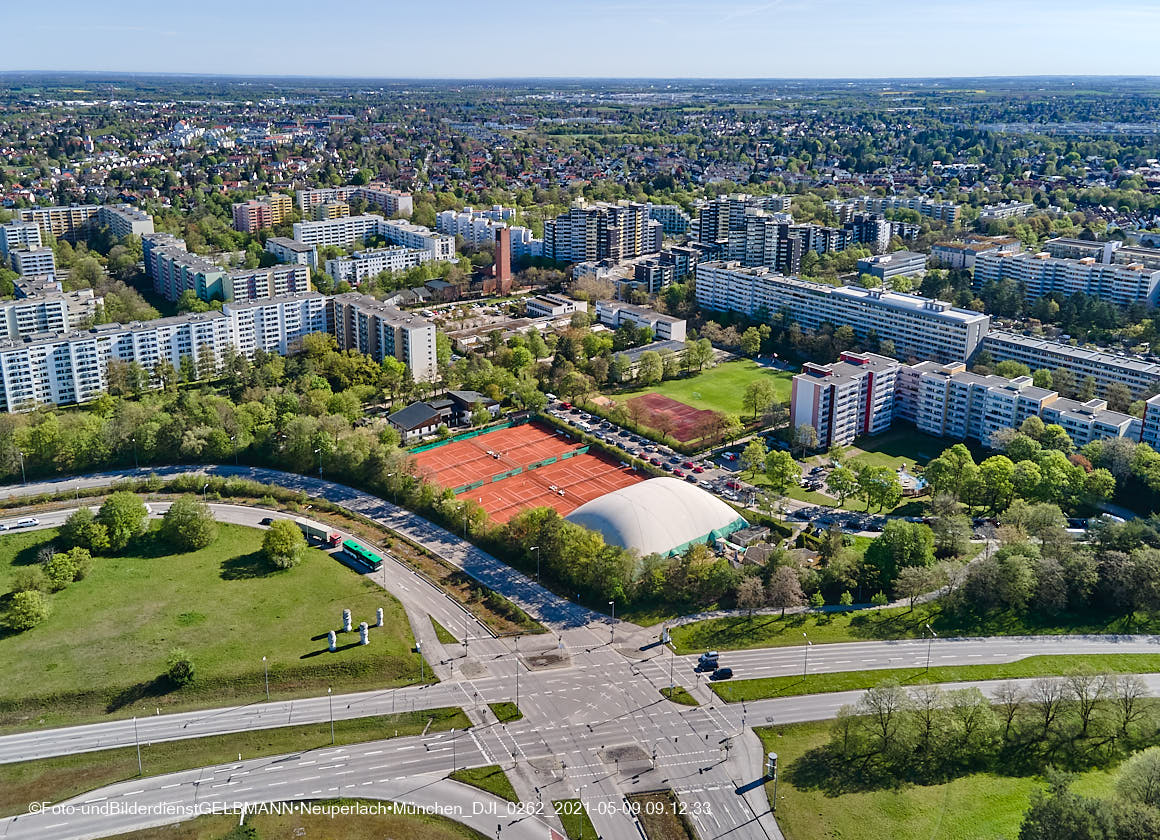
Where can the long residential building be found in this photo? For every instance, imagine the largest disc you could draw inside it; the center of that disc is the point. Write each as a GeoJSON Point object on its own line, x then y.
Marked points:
{"type": "Point", "coordinates": [1041, 274]}
{"type": "Point", "coordinates": [175, 270]}
{"type": "Point", "coordinates": [52, 312]}
{"type": "Point", "coordinates": [29, 262]}
{"type": "Point", "coordinates": [249, 284]}
{"type": "Point", "coordinates": [363, 264]}
{"type": "Point", "coordinates": [615, 314]}
{"type": "Point", "coordinates": [920, 328]}
{"type": "Point", "coordinates": [370, 326]}
{"type": "Point", "coordinates": [287, 250]}
{"type": "Point", "coordinates": [1105, 368]}
{"type": "Point", "coordinates": [946, 211]}
{"type": "Point", "coordinates": [73, 221]}
{"type": "Point", "coordinates": [358, 228]}
{"type": "Point", "coordinates": [389, 201]}
{"type": "Point", "coordinates": [845, 400]}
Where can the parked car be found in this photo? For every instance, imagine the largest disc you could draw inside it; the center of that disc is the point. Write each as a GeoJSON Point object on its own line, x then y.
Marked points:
{"type": "Point", "coordinates": [708, 661]}
{"type": "Point", "coordinates": [722, 674]}
{"type": "Point", "coordinates": [678, 473]}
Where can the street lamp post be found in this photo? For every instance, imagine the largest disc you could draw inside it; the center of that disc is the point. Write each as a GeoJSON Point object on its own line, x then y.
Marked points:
{"type": "Point", "coordinates": [330, 699]}
{"type": "Point", "coordinates": [204, 488]}
{"type": "Point", "coordinates": [536, 549]}
{"type": "Point", "coordinates": [137, 740]}
{"type": "Point", "coordinates": [23, 476]}
{"type": "Point", "coordinates": [806, 658]}
{"type": "Point", "coordinates": [395, 486]}
{"type": "Point", "coordinates": [135, 464]}
{"type": "Point", "coordinates": [612, 635]}
{"type": "Point", "coordinates": [517, 664]}
{"type": "Point", "coordinates": [318, 452]}
{"type": "Point", "coordinates": [266, 667]}
{"type": "Point", "coordinates": [929, 643]}
{"type": "Point", "coordinates": [234, 441]}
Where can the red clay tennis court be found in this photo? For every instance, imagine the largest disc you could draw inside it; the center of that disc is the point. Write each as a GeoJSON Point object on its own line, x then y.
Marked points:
{"type": "Point", "coordinates": [467, 461]}
{"type": "Point", "coordinates": [684, 422]}
{"type": "Point", "coordinates": [564, 484]}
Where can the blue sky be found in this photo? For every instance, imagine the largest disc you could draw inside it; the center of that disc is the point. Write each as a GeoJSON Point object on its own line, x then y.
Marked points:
{"type": "Point", "coordinates": [608, 38]}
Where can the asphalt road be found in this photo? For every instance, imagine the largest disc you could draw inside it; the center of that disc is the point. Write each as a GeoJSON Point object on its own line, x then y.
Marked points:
{"type": "Point", "coordinates": [594, 726]}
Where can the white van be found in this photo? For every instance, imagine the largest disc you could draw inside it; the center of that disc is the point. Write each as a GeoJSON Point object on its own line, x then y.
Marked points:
{"type": "Point", "coordinates": [27, 523]}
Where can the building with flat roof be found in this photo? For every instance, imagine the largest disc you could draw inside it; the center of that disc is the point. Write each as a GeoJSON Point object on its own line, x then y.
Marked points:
{"type": "Point", "coordinates": [1150, 425]}
{"type": "Point", "coordinates": [53, 311]}
{"type": "Point", "coordinates": [73, 222]}
{"type": "Point", "coordinates": [275, 281]}
{"type": "Point", "coordinates": [552, 306]}
{"type": "Point", "coordinates": [175, 270]}
{"type": "Point", "coordinates": [921, 328]}
{"type": "Point", "coordinates": [344, 231]}
{"type": "Point", "coordinates": [845, 400]}
{"type": "Point", "coordinates": [1067, 248]}
{"type": "Point", "coordinates": [945, 211]}
{"type": "Point", "coordinates": [32, 261]}
{"type": "Point", "coordinates": [370, 263]}
{"type": "Point", "coordinates": [362, 323]}
{"type": "Point", "coordinates": [1006, 210]}
{"type": "Point", "coordinates": [1149, 258]}
{"type": "Point", "coordinates": [615, 314]}
{"type": "Point", "coordinates": [287, 250]}
{"type": "Point", "coordinates": [14, 235]}
{"type": "Point", "coordinates": [962, 255]}
{"type": "Point", "coordinates": [895, 264]}
{"type": "Point", "coordinates": [261, 213]}
{"type": "Point", "coordinates": [1104, 367]}
{"type": "Point", "coordinates": [1041, 274]}
{"type": "Point", "coordinates": [600, 230]}
{"type": "Point", "coordinates": [672, 217]}
{"type": "Point", "coordinates": [390, 201]}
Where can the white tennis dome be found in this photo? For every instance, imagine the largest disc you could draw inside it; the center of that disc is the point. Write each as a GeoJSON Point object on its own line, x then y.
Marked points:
{"type": "Point", "coordinates": [661, 516]}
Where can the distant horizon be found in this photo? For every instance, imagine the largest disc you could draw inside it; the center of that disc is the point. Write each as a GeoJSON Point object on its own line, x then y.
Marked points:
{"type": "Point", "coordinates": [597, 39]}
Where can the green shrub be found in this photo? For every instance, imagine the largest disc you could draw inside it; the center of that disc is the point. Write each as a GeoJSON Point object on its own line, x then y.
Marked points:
{"type": "Point", "coordinates": [26, 610]}
{"type": "Point", "coordinates": [179, 667]}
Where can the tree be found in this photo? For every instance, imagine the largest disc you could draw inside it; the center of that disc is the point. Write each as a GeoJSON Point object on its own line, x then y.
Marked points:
{"type": "Point", "coordinates": [913, 581]}
{"type": "Point", "coordinates": [877, 486]}
{"type": "Point", "coordinates": [63, 567]}
{"type": "Point", "coordinates": [179, 667]}
{"type": "Point", "coordinates": [188, 525]}
{"type": "Point", "coordinates": [753, 456]}
{"type": "Point", "coordinates": [123, 515]}
{"type": "Point", "coordinates": [784, 589]}
{"type": "Point", "coordinates": [997, 477]}
{"type": "Point", "coordinates": [698, 353]}
{"type": "Point", "coordinates": [843, 483]}
{"type": "Point", "coordinates": [901, 544]}
{"type": "Point", "coordinates": [951, 471]}
{"type": "Point", "coordinates": [651, 368]}
{"type": "Point", "coordinates": [283, 544]}
{"type": "Point", "coordinates": [758, 395]}
{"type": "Point", "coordinates": [805, 437]}
{"type": "Point", "coordinates": [782, 471]}
{"type": "Point", "coordinates": [25, 610]}
{"type": "Point", "coordinates": [751, 341]}
{"type": "Point", "coordinates": [83, 530]}
{"type": "Point", "coordinates": [750, 594]}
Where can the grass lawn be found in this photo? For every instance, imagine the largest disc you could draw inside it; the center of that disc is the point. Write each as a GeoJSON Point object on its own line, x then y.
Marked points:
{"type": "Point", "coordinates": [678, 694]}
{"type": "Point", "coordinates": [103, 649]}
{"type": "Point", "coordinates": [57, 779]}
{"type": "Point", "coordinates": [720, 388]}
{"type": "Point", "coordinates": [506, 712]}
{"type": "Point", "coordinates": [738, 632]}
{"type": "Point", "coordinates": [346, 826]}
{"type": "Point", "coordinates": [978, 807]}
{"type": "Point", "coordinates": [1031, 666]}
{"type": "Point", "coordinates": [443, 634]}
{"type": "Point", "coordinates": [659, 818]}
{"type": "Point", "coordinates": [491, 778]}
{"type": "Point", "coordinates": [574, 816]}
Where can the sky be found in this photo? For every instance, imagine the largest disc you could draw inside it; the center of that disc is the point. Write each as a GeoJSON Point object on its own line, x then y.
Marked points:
{"type": "Point", "coordinates": [595, 38]}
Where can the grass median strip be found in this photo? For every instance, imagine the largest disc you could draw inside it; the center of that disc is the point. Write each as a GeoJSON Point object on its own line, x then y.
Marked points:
{"type": "Point", "coordinates": [64, 777]}
{"type": "Point", "coordinates": [443, 634]}
{"type": "Point", "coordinates": [506, 712]}
{"type": "Point", "coordinates": [1032, 666]}
{"type": "Point", "coordinates": [678, 694]}
{"type": "Point", "coordinates": [491, 779]}
{"type": "Point", "coordinates": [573, 815]}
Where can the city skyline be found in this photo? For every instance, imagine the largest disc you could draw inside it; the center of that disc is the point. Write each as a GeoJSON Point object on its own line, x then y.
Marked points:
{"type": "Point", "coordinates": [783, 39]}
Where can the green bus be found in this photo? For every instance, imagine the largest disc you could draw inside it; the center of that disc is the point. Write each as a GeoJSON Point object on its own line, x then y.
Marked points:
{"type": "Point", "coordinates": [363, 556]}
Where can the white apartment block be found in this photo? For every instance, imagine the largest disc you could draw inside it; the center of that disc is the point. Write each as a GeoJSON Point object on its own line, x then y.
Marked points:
{"type": "Point", "coordinates": [1150, 426]}
{"type": "Point", "coordinates": [370, 263]}
{"type": "Point", "coordinates": [845, 400]}
{"type": "Point", "coordinates": [1128, 255]}
{"type": "Point", "coordinates": [28, 262]}
{"type": "Point", "coordinates": [946, 211]}
{"type": "Point", "coordinates": [246, 284]}
{"type": "Point", "coordinates": [1105, 368]}
{"type": "Point", "coordinates": [600, 230]}
{"type": "Point", "coordinates": [14, 235]}
{"type": "Point", "coordinates": [1067, 248]}
{"type": "Point", "coordinates": [949, 401]}
{"type": "Point", "coordinates": [72, 367]}
{"type": "Point", "coordinates": [389, 201]}
{"type": "Point", "coordinates": [1006, 210]}
{"type": "Point", "coordinates": [1041, 274]}
{"type": "Point", "coordinates": [275, 325]}
{"type": "Point", "coordinates": [56, 312]}
{"type": "Point", "coordinates": [286, 250]}
{"type": "Point", "coordinates": [672, 217]}
{"type": "Point", "coordinates": [615, 314]}
{"type": "Point", "coordinates": [553, 306]}
{"type": "Point", "coordinates": [344, 231]}
{"type": "Point", "coordinates": [370, 326]}
{"type": "Point", "coordinates": [524, 244]}
{"type": "Point", "coordinates": [962, 255]}
{"type": "Point", "coordinates": [920, 328]}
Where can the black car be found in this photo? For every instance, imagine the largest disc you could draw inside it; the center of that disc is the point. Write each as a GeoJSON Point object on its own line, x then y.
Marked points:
{"type": "Point", "coordinates": [267, 521]}
{"type": "Point", "coordinates": [722, 674]}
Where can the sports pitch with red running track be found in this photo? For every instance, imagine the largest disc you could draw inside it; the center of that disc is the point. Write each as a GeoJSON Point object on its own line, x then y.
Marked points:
{"type": "Point", "coordinates": [564, 485]}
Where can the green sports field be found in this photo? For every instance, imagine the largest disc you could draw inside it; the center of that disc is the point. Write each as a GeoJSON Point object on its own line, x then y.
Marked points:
{"type": "Point", "coordinates": [719, 388]}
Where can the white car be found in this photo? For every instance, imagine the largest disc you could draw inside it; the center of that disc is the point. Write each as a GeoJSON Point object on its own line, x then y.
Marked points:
{"type": "Point", "coordinates": [27, 523]}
